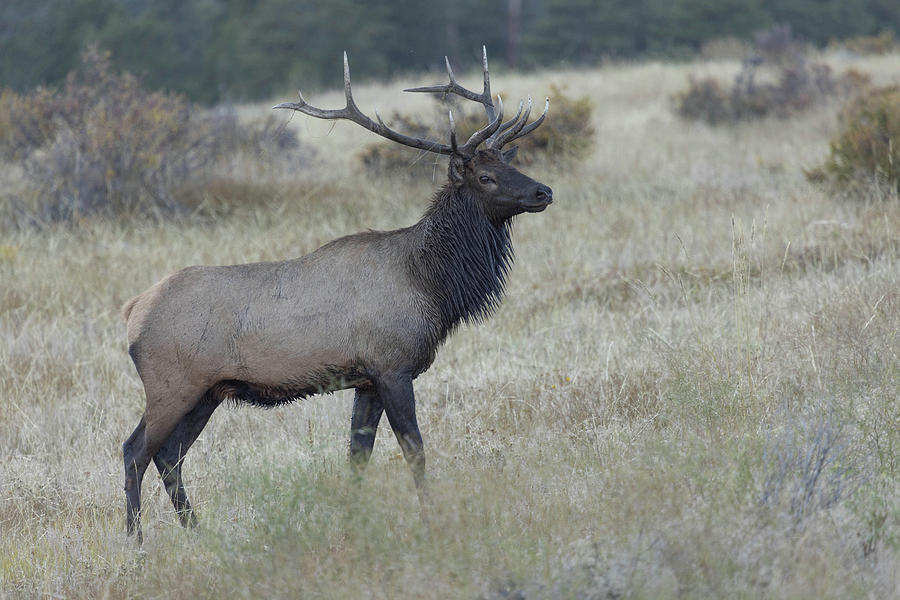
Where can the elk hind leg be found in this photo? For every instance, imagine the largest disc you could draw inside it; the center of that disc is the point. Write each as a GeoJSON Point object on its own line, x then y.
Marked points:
{"type": "Point", "coordinates": [367, 410]}
{"type": "Point", "coordinates": [155, 427]}
{"type": "Point", "coordinates": [171, 454]}
{"type": "Point", "coordinates": [136, 461]}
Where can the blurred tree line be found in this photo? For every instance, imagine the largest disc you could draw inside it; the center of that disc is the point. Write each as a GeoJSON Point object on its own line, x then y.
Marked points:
{"type": "Point", "coordinates": [233, 50]}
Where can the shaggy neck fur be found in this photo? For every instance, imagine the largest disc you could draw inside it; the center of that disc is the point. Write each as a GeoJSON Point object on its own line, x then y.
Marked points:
{"type": "Point", "coordinates": [463, 258]}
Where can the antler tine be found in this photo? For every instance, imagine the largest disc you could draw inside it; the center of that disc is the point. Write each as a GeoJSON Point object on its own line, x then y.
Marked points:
{"type": "Point", "coordinates": [496, 132]}
{"type": "Point", "coordinates": [449, 70]}
{"type": "Point", "coordinates": [487, 85]}
{"type": "Point", "coordinates": [522, 131]}
{"type": "Point", "coordinates": [506, 125]}
{"type": "Point", "coordinates": [452, 132]}
{"type": "Point", "coordinates": [484, 133]}
{"type": "Point", "coordinates": [351, 112]}
{"type": "Point", "coordinates": [453, 87]}
{"type": "Point", "coordinates": [348, 94]}
{"type": "Point", "coordinates": [537, 122]}
{"type": "Point", "coordinates": [498, 139]}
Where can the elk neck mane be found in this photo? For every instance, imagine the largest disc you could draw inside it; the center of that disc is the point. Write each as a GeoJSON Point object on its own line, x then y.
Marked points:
{"type": "Point", "coordinates": [463, 258]}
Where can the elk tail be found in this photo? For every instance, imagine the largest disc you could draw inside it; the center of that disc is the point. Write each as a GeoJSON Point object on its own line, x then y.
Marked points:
{"type": "Point", "coordinates": [128, 307]}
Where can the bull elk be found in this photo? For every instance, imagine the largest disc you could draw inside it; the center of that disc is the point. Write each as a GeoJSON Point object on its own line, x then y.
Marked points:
{"type": "Point", "coordinates": [367, 311]}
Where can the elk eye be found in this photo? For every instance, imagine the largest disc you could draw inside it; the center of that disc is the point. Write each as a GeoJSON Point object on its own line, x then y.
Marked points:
{"type": "Point", "coordinates": [485, 179]}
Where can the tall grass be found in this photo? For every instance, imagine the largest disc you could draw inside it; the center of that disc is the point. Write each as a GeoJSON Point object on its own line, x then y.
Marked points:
{"type": "Point", "coordinates": [689, 391]}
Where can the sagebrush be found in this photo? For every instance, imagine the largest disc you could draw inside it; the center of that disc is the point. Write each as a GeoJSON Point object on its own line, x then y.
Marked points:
{"type": "Point", "coordinates": [777, 78]}
{"type": "Point", "coordinates": [103, 144]}
{"type": "Point", "coordinates": [867, 146]}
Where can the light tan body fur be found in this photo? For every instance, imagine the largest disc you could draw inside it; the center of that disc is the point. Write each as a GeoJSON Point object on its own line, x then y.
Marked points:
{"type": "Point", "coordinates": [319, 322]}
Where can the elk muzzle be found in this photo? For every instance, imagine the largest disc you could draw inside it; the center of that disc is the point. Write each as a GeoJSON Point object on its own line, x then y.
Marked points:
{"type": "Point", "coordinates": [539, 200]}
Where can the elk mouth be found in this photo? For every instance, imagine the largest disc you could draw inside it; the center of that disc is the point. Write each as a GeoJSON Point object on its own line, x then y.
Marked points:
{"type": "Point", "coordinates": [543, 197]}
{"type": "Point", "coordinates": [536, 205]}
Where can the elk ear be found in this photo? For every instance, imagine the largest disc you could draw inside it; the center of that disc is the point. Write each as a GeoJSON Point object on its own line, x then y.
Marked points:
{"type": "Point", "coordinates": [509, 155]}
{"type": "Point", "coordinates": [457, 169]}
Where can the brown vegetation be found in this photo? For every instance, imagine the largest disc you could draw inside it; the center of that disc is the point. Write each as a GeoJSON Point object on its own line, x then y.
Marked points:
{"type": "Point", "coordinates": [104, 145]}
{"type": "Point", "coordinates": [867, 147]}
{"type": "Point", "coordinates": [778, 78]}
{"type": "Point", "coordinates": [691, 324]}
{"type": "Point", "coordinates": [880, 43]}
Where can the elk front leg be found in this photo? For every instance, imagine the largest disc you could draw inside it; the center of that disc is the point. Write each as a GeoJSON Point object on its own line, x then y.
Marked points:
{"type": "Point", "coordinates": [367, 410]}
{"type": "Point", "coordinates": [400, 405]}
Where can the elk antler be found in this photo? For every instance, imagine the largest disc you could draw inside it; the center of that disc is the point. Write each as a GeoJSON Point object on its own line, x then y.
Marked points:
{"type": "Point", "coordinates": [504, 136]}
{"type": "Point", "coordinates": [453, 87]}
{"type": "Point", "coordinates": [507, 132]}
{"type": "Point", "coordinates": [351, 112]}
{"type": "Point", "coordinates": [495, 131]}
{"type": "Point", "coordinates": [479, 136]}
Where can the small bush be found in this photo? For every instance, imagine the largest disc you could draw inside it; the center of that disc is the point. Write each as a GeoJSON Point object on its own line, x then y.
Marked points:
{"type": "Point", "coordinates": [257, 137]}
{"type": "Point", "coordinates": [385, 157]}
{"type": "Point", "coordinates": [798, 84]}
{"type": "Point", "coordinates": [777, 45]}
{"type": "Point", "coordinates": [882, 43]}
{"type": "Point", "coordinates": [853, 82]}
{"type": "Point", "coordinates": [264, 146]}
{"type": "Point", "coordinates": [26, 122]}
{"type": "Point", "coordinates": [704, 100]}
{"type": "Point", "coordinates": [566, 135]}
{"type": "Point", "coordinates": [810, 465]}
{"type": "Point", "coordinates": [868, 143]}
{"type": "Point", "coordinates": [103, 144]}
{"type": "Point", "coordinates": [725, 48]}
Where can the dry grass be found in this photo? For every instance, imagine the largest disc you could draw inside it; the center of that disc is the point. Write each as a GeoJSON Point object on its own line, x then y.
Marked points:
{"type": "Point", "coordinates": [696, 342]}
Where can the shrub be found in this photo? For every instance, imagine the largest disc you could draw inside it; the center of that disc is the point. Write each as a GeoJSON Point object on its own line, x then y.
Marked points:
{"type": "Point", "coordinates": [566, 135]}
{"type": "Point", "coordinates": [810, 465]}
{"type": "Point", "coordinates": [704, 100]}
{"type": "Point", "coordinates": [724, 48]}
{"type": "Point", "coordinates": [882, 43]}
{"type": "Point", "coordinates": [777, 45]}
{"type": "Point", "coordinates": [385, 157]}
{"type": "Point", "coordinates": [26, 123]}
{"type": "Point", "coordinates": [868, 143]}
{"type": "Point", "coordinates": [852, 82]}
{"type": "Point", "coordinates": [256, 137]}
{"type": "Point", "coordinates": [103, 144]}
{"type": "Point", "coordinates": [799, 84]}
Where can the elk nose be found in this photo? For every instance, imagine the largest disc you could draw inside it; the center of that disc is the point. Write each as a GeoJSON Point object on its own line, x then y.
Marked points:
{"type": "Point", "coordinates": [544, 194]}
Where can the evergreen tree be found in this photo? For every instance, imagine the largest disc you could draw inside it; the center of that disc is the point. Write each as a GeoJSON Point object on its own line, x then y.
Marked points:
{"type": "Point", "coordinates": [214, 50]}
{"type": "Point", "coordinates": [166, 43]}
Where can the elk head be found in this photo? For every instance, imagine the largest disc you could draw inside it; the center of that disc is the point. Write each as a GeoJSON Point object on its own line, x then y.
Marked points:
{"type": "Point", "coordinates": [486, 172]}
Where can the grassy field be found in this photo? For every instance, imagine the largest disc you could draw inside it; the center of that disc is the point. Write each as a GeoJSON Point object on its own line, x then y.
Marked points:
{"type": "Point", "coordinates": [690, 391]}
